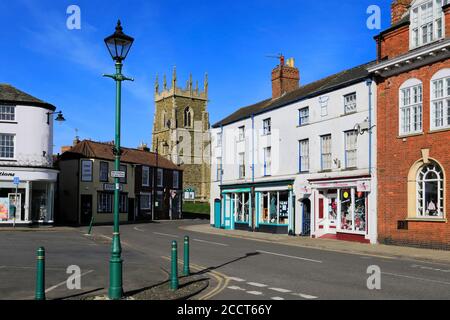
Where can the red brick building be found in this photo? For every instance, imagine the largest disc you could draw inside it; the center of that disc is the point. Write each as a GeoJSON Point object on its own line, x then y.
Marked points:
{"type": "Point", "coordinates": [413, 122]}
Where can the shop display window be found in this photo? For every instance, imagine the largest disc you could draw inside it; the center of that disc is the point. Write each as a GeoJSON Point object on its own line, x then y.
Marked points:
{"type": "Point", "coordinates": [275, 208]}
{"type": "Point", "coordinates": [241, 206]}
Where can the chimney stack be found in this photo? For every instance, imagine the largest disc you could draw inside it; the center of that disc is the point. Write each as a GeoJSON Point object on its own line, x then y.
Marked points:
{"type": "Point", "coordinates": [398, 9]}
{"type": "Point", "coordinates": [285, 78]}
{"type": "Point", "coordinates": [143, 147]}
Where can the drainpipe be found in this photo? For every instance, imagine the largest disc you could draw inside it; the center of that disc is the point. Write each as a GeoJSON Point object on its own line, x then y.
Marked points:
{"type": "Point", "coordinates": [253, 209]}
{"type": "Point", "coordinates": [369, 86]}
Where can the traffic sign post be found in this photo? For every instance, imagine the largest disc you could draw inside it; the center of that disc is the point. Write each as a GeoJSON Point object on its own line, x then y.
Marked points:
{"type": "Point", "coordinates": [118, 174]}
{"type": "Point", "coordinates": [16, 182]}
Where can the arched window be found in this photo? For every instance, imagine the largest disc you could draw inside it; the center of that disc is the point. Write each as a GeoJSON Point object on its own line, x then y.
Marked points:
{"type": "Point", "coordinates": [188, 117]}
{"type": "Point", "coordinates": [430, 191]}
{"type": "Point", "coordinates": [440, 100]}
{"type": "Point", "coordinates": [427, 22]}
{"type": "Point", "coordinates": [411, 97]}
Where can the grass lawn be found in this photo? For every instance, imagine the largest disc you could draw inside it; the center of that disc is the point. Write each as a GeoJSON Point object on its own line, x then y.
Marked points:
{"type": "Point", "coordinates": [198, 207]}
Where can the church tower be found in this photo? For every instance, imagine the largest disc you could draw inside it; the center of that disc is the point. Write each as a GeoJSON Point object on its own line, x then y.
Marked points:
{"type": "Point", "coordinates": [181, 133]}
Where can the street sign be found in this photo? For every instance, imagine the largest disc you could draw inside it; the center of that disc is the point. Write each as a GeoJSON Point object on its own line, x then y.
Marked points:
{"type": "Point", "coordinates": [16, 180]}
{"type": "Point", "coordinates": [118, 174]}
{"type": "Point", "coordinates": [111, 187]}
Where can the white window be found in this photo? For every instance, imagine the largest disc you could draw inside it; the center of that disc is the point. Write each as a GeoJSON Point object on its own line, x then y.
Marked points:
{"type": "Point", "coordinates": [7, 113]}
{"type": "Point", "coordinates": [7, 146]}
{"type": "Point", "coordinates": [145, 201]}
{"type": "Point", "coordinates": [219, 139]}
{"type": "Point", "coordinates": [411, 109]}
{"type": "Point", "coordinates": [430, 191]}
{"type": "Point", "coordinates": [176, 179]}
{"type": "Point", "coordinates": [303, 116]}
{"type": "Point", "coordinates": [104, 171]}
{"type": "Point", "coordinates": [241, 165]}
{"type": "Point", "coordinates": [241, 133]}
{"type": "Point", "coordinates": [105, 202]}
{"type": "Point", "coordinates": [304, 155]}
{"type": "Point", "coordinates": [351, 139]}
{"type": "Point", "coordinates": [145, 176]}
{"type": "Point", "coordinates": [267, 128]}
{"type": "Point", "coordinates": [426, 22]}
{"type": "Point", "coordinates": [86, 170]}
{"type": "Point", "coordinates": [159, 178]}
{"type": "Point", "coordinates": [123, 168]}
{"type": "Point", "coordinates": [326, 152]}
{"type": "Point", "coordinates": [350, 103]}
{"type": "Point", "coordinates": [219, 169]}
{"type": "Point", "coordinates": [267, 161]}
{"type": "Point", "coordinates": [440, 103]}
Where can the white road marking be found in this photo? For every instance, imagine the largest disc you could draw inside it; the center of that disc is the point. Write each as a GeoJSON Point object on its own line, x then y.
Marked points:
{"type": "Point", "coordinates": [137, 229]}
{"type": "Point", "coordinates": [280, 290]}
{"type": "Point", "coordinates": [236, 288]}
{"type": "Point", "coordinates": [287, 256]}
{"type": "Point", "coordinates": [255, 293]}
{"type": "Point", "coordinates": [215, 243]}
{"type": "Point", "coordinates": [166, 235]}
{"type": "Point", "coordinates": [256, 284]}
{"type": "Point", "coordinates": [415, 278]}
{"type": "Point", "coordinates": [277, 298]}
{"type": "Point", "coordinates": [64, 282]}
{"type": "Point", "coordinates": [236, 279]}
{"type": "Point", "coordinates": [429, 268]}
{"type": "Point", "coordinates": [305, 296]}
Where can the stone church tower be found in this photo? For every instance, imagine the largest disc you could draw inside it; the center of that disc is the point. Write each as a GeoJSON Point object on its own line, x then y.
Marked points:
{"type": "Point", "coordinates": [181, 133]}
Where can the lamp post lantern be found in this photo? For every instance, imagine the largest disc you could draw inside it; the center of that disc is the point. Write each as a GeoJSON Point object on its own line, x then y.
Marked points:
{"type": "Point", "coordinates": [118, 45]}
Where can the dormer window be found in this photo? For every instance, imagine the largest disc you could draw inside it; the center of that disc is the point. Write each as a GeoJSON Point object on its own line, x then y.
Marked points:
{"type": "Point", "coordinates": [426, 22]}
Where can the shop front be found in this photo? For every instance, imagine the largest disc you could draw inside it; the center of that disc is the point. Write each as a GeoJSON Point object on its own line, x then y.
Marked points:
{"type": "Point", "coordinates": [341, 209]}
{"type": "Point", "coordinates": [33, 190]}
{"type": "Point", "coordinates": [263, 207]}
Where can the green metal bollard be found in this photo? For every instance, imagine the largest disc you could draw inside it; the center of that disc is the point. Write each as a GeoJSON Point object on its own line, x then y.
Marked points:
{"type": "Point", "coordinates": [40, 274]}
{"type": "Point", "coordinates": [174, 268]}
{"type": "Point", "coordinates": [186, 270]}
{"type": "Point", "coordinates": [90, 226]}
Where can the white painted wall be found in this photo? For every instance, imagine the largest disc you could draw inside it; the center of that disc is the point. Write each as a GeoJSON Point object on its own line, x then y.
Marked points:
{"type": "Point", "coordinates": [33, 136]}
{"type": "Point", "coordinates": [284, 142]}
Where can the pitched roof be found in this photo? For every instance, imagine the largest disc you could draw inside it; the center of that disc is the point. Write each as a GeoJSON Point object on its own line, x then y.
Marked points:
{"type": "Point", "coordinates": [317, 88]}
{"type": "Point", "coordinates": [10, 94]}
{"type": "Point", "coordinates": [98, 150]}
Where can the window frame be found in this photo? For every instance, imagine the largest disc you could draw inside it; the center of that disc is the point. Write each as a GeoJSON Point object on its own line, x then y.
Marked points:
{"type": "Point", "coordinates": [408, 116]}
{"type": "Point", "coordinates": [322, 153]}
{"type": "Point", "coordinates": [159, 174]}
{"type": "Point", "coordinates": [300, 116]}
{"type": "Point", "coordinates": [347, 150]}
{"type": "Point", "coordinates": [354, 103]}
{"type": "Point", "coordinates": [147, 169]}
{"type": "Point", "coordinates": [91, 171]}
{"type": "Point", "coordinates": [421, 187]}
{"type": "Point", "coordinates": [149, 194]}
{"type": "Point", "coordinates": [425, 29]}
{"type": "Point", "coordinates": [241, 165]}
{"type": "Point", "coordinates": [267, 126]}
{"type": "Point", "coordinates": [13, 113]}
{"type": "Point", "coordinates": [241, 133]}
{"type": "Point", "coordinates": [219, 169]}
{"type": "Point", "coordinates": [100, 166]}
{"type": "Point", "coordinates": [176, 174]}
{"type": "Point", "coordinates": [13, 142]}
{"type": "Point", "coordinates": [444, 76]}
{"type": "Point", "coordinates": [267, 161]}
{"type": "Point", "coordinates": [301, 156]}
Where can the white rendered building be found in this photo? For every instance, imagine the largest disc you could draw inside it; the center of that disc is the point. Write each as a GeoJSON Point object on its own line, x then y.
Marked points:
{"type": "Point", "coordinates": [302, 162]}
{"type": "Point", "coordinates": [26, 157]}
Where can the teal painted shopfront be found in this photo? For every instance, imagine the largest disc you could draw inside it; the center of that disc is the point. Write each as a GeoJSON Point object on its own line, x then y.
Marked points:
{"type": "Point", "coordinates": [261, 207]}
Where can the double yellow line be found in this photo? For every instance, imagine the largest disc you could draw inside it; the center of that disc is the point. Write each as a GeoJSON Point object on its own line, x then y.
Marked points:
{"type": "Point", "coordinates": [221, 279]}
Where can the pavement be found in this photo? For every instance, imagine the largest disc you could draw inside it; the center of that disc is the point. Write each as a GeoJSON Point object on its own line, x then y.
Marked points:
{"type": "Point", "coordinates": [239, 267]}
{"type": "Point", "coordinates": [331, 245]}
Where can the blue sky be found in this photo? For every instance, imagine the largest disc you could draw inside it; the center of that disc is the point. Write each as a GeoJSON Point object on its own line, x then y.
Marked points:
{"type": "Point", "coordinates": [228, 39]}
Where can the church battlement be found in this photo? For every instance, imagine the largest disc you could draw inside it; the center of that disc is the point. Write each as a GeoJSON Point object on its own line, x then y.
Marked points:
{"type": "Point", "coordinates": [189, 91]}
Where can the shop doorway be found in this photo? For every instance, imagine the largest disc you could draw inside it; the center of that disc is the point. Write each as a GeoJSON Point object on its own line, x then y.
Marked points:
{"type": "Point", "coordinates": [328, 211]}
{"type": "Point", "coordinates": [306, 217]}
{"type": "Point", "coordinates": [86, 209]}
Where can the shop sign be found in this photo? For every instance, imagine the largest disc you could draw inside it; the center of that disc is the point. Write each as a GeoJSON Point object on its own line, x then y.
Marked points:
{"type": "Point", "coordinates": [7, 174]}
{"type": "Point", "coordinates": [363, 186]}
{"type": "Point", "coordinates": [16, 181]}
{"type": "Point", "coordinates": [111, 187]}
